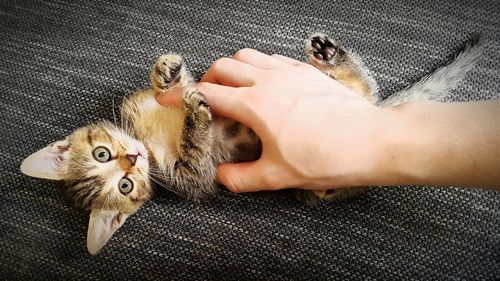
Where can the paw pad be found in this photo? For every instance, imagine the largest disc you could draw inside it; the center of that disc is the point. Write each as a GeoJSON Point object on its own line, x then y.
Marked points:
{"type": "Point", "coordinates": [174, 70]}
{"type": "Point", "coordinates": [323, 48]}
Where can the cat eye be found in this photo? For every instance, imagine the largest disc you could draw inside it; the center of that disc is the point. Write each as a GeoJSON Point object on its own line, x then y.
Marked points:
{"type": "Point", "coordinates": [125, 185]}
{"type": "Point", "coordinates": [101, 154]}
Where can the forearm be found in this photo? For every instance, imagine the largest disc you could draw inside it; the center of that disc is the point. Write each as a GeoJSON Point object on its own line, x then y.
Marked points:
{"type": "Point", "coordinates": [441, 144]}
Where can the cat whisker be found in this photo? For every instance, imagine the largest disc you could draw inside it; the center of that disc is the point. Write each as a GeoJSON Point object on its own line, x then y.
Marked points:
{"type": "Point", "coordinates": [163, 185]}
{"type": "Point", "coordinates": [113, 109]}
{"type": "Point", "coordinates": [149, 200]}
{"type": "Point", "coordinates": [161, 175]}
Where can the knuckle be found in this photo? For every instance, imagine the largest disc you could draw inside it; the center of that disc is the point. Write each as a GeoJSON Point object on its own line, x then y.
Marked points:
{"type": "Point", "coordinates": [271, 181]}
{"type": "Point", "coordinates": [234, 184]}
{"type": "Point", "coordinates": [251, 100]}
{"type": "Point", "coordinates": [220, 63]}
{"type": "Point", "coordinates": [244, 53]}
{"type": "Point", "coordinates": [203, 87]}
{"type": "Point", "coordinates": [230, 181]}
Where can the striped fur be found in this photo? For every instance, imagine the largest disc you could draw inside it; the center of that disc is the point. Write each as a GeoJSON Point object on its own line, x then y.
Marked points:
{"type": "Point", "coordinates": [179, 148]}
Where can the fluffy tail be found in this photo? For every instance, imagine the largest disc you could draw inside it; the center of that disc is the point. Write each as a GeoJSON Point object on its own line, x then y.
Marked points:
{"type": "Point", "coordinates": [439, 83]}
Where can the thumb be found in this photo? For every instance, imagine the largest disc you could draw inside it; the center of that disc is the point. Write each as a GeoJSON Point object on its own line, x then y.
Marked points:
{"type": "Point", "coordinates": [242, 177]}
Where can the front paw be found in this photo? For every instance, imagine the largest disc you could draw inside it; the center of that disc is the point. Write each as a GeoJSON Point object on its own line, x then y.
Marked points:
{"type": "Point", "coordinates": [323, 49]}
{"type": "Point", "coordinates": [196, 106]}
{"type": "Point", "coordinates": [168, 71]}
{"type": "Point", "coordinates": [194, 169]}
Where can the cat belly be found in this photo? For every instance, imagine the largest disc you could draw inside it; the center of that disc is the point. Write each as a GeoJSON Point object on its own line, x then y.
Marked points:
{"type": "Point", "coordinates": [238, 140]}
{"type": "Point", "coordinates": [158, 127]}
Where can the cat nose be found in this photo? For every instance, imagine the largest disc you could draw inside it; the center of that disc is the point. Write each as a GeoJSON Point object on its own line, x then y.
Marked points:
{"type": "Point", "coordinates": [132, 158]}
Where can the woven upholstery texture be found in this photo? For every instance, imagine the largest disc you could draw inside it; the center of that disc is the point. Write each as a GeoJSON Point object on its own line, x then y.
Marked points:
{"type": "Point", "coordinates": [64, 64]}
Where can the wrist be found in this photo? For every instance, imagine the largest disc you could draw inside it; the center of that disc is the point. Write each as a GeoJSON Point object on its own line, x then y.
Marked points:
{"type": "Point", "coordinates": [391, 147]}
{"type": "Point", "coordinates": [373, 150]}
{"type": "Point", "coordinates": [406, 146]}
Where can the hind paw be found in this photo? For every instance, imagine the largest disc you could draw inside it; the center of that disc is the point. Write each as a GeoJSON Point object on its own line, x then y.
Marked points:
{"type": "Point", "coordinates": [322, 48]}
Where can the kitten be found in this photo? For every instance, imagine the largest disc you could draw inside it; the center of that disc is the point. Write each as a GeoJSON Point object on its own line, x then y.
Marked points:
{"type": "Point", "coordinates": [109, 171]}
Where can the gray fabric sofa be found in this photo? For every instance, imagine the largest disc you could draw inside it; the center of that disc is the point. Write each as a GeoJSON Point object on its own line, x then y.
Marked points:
{"type": "Point", "coordinates": [62, 63]}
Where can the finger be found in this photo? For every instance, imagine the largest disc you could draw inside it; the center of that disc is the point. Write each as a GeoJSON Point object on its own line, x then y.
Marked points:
{"type": "Point", "coordinates": [257, 59]}
{"type": "Point", "coordinates": [171, 97]}
{"type": "Point", "coordinates": [242, 177]}
{"type": "Point", "coordinates": [226, 102]}
{"type": "Point", "coordinates": [230, 72]}
{"type": "Point", "coordinates": [287, 60]}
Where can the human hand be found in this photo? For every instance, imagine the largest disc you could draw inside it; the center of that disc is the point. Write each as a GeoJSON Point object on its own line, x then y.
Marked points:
{"type": "Point", "coordinates": [315, 132]}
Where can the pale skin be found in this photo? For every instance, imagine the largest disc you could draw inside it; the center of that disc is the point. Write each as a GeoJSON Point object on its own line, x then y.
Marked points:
{"type": "Point", "coordinates": [318, 134]}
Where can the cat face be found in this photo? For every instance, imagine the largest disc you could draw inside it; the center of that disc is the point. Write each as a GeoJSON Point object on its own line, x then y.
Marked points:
{"type": "Point", "coordinates": [105, 171]}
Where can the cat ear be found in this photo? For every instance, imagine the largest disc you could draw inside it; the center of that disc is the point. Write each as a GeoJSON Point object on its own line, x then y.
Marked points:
{"type": "Point", "coordinates": [102, 225]}
{"type": "Point", "coordinates": [48, 162]}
